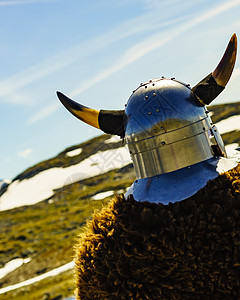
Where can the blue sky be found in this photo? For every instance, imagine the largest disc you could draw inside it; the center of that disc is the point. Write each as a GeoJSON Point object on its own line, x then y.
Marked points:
{"type": "Point", "coordinates": [97, 52]}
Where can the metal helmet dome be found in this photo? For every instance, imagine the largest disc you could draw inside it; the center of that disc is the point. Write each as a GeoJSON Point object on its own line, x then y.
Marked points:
{"type": "Point", "coordinates": [174, 146]}
{"type": "Point", "coordinates": [168, 129]}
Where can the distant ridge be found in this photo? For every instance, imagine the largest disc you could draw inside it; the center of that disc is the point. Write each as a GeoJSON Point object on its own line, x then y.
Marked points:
{"type": "Point", "coordinates": [4, 183]}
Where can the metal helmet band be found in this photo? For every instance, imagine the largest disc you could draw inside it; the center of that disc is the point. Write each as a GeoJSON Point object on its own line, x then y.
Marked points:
{"type": "Point", "coordinates": [167, 129]}
{"type": "Point", "coordinates": [165, 123]}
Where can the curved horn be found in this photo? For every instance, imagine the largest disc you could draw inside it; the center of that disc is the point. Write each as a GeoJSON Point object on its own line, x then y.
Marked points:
{"type": "Point", "coordinates": [109, 121]}
{"type": "Point", "coordinates": [212, 85]}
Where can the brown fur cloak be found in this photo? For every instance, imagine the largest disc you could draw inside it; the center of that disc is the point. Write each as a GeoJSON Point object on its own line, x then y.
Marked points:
{"type": "Point", "coordinates": [185, 250]}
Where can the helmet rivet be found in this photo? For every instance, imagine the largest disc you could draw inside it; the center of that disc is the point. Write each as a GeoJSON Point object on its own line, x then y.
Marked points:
{"type": "Point", "coordinates": [125, 105]}
{"type": "Point", "coordinates": [157, 110]}
{"type": "Point", "coordinates": [162, 77]}
{"type": "Point", "coordinates": [157, 177]}
{"type": "Point", "coordinates": [163, 143]}
{"type": "Point", "coordinates": [153, 84]}
{"type": "Point", "coordinates": [149, 113]}
{"type": "Point", "coordinates": [154, 94]}
{"type": "Point", "coordinates": [146, 97]}
{"type": "Point", "coordinates": [145, 86]}
{"type": "Point", "coordinates": [172, 78]}
{"type": "Point", "coordinates": [150, 80]}
{"type": "Point", "coordinates": [136, 181]}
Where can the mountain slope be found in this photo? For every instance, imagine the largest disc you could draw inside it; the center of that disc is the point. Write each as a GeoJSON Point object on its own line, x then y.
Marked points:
{"type": "Point", "coordinates": [38, 183]}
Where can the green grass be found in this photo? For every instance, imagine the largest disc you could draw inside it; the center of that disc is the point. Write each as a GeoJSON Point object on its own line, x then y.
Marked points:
{"type": "Point", "coordinates": [47, 231]}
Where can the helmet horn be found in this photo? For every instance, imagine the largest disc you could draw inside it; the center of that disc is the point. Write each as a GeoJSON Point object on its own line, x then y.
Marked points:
{"type": "Point", "coordinates": [109, 121]}
{"type": "Point", "coordinates": [212, 85]}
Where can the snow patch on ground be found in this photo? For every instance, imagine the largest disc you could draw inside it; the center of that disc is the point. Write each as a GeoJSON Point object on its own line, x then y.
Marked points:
{"type": "Point", "coordinates": [229, 124]}
{"type": "Point", "coordinates": [122, 191]}
{"type": "Point", "coordinates": [54, 272]}
{"type": "Point", "coordinates": [232, 152]}
{"type": "Point", "coordinates": [113, 139]}
{"type": "Point", "coordinates": [103, 195]}
{"type": "Point", "coordinates": [42, 186]}
{"type": "Point", "coordinates": [13, 265]}
{"type": "Point", "coordinates": [230, 149]}
{"type": "Point", "coordinates": [74, 152]}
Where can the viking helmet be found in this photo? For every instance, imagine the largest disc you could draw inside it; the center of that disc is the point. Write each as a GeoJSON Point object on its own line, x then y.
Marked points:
{"type": "Point", "coordinates": [174, 146]}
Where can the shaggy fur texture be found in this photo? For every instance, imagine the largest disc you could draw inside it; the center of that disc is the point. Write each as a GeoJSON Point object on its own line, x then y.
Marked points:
{"type": "Point", "coordinates": [185, 250]}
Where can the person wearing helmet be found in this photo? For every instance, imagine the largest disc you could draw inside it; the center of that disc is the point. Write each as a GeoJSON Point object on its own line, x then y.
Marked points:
{"type": "Point", "coordinates": [175, 233]}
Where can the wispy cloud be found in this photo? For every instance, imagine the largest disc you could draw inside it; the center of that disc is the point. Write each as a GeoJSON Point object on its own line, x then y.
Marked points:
{"type": "Point", "coordinates": [19, 2]}
{"type": "Point", "coordinates": [10, 87]}
{"type": "Point", "coordinates": [131, 55]}
{"type": "Point", "coordinates": [152, 4]}
{"type": "Point", "coordinates": [43, 113]}
{"type": "Point", "coordinates": [151, 43]}
{"type": "Point", "coordinates": [139, 50]}
{"type": "Point", "coordinates": [25, 153]}
{"type": "Point", "coordinates": [149, 22]}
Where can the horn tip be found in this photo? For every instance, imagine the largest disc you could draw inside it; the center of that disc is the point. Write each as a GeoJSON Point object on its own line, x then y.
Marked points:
{"type": "Point", "coordinates": [62, 97]}
{"type": "Point", "coordinates": [223, 71]}
{"type": "Point", "coordinates": [59, 94]}
{"type": "Point", "coordinates": [233, 40]}
{"type": "Point", "coordinates": [234, 37]}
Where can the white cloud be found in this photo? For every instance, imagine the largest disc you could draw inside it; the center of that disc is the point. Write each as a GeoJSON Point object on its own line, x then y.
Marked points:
{"type": "Point", "coordinates": [12, 89]}
{"type": "Point", "coordinates": [9, 88]}
{"type": "Point", "coordinates": [215, 11]}
{"type": "Point", "coordinates": [151, 43]}
{"type": "Point", "coordinates": [152, 4]}
{"type": "Point", "coordinates": [25, 153]}
{"type": "Point", "coordinates": [135, 52]}
{"type": "Point", "coordinates": [43, 113]}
